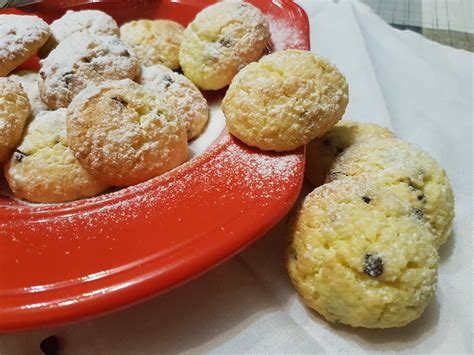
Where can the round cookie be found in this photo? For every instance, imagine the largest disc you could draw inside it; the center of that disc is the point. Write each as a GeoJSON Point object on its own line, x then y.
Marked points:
{"type": "Point", "coordinates": [20, 38]}
{"type": "Point", "coordinates": [409, 172]}
{"type": "Point", "coordinates": [80, 60]}
{"type": "Point", "coordinates": [357, 258]}
{"type": "Point", "coordinates": [44, 169]}
{"type": "Point", "coordinates": [186, 99]}
{"type": "Point", "coordinates": [285, 100]}
{"type": "Point", "coordinates": [14, 111]}
{"type": "Point", "coordinates": [154, 41]}
{"type": "Point", "coordinates": [221, 40]}
{"type": "Point", "coordinates": [91, 21]}
{"type": "Point", "coordinates": [123, 134]}
{"type": "Point", "coordinates": [29, 80]}
{"type": "Point", "coordinates": [321, 152]}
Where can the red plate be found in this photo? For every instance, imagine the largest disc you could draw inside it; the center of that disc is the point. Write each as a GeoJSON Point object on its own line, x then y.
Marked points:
{"type": "Point", "coordinates": [70, 261]}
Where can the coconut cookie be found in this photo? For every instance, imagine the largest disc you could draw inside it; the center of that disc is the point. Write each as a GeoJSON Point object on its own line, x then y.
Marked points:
{"type": "Point", "coordinates": [186, 99]}
{"type": "Point", "coordinates": [123, 134]}
{"type": "Point", "coordinates": [14, 111]}
{"type": "Point", "coordinates": [409, 172]}
{"type": "Point", "coordinates": [91, 21]}
{"type": "Point", "coordinates": [29, 80]}
{"type": "Point", "coordinates": [221, 40]}
{"type": "Point", "coordinates": [154, 41]}
{"type": "Point", "coordinates": [80, 60]}
{"type": "Point", "coordinates": [321, 152]}
{"type": "Point", "coordinates": [285, 100]}
{"type": "Point", "coordinates": [357, 259]}
{"type": "Point", "coordinates": [20, 38]}
{"type": "Point", "coordinates": [44, 169]}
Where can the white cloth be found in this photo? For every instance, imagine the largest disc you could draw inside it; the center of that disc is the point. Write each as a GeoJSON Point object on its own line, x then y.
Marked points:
{"type": "Point", "coordinates": [420, 89]}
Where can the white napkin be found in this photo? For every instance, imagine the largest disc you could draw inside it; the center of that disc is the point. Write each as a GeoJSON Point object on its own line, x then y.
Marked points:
{"type": "Point", "coordinates": [424, 92]}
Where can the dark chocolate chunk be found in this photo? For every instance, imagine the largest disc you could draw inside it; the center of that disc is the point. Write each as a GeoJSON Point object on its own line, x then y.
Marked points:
{"type": "Point", "coordinates": [225, 42]}
{"type": "Point", "coordinates": [67, 77]}
{"type": "Point", "coordinates": [366, 199]}
{"type": "Point", "coordinates": [373, 265]}
{"type": "Point", "coordinates": [168, 80]}
{"type": "Point", "coordinates": [418, 213]}
{"type": "Point", "coordinates": [19, 155]}
{"type": "Point", "coordinates": [120, 101]}
{"type": "Point", "coordinates": [50, 345]}
{"type": "Point", "coordinates": [86, 59]}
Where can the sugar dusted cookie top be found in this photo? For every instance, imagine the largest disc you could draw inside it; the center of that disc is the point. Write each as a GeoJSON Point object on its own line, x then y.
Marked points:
{"type": "Point", "coordinates": [185, 98]}
{"type": "Point", "coordinates": [358, 257]}
{"type": "Point", "coordinates": [154, 41]}
{"type": "Point", "coordinates": [44, 169]}
{"type": "Point", "coordinates": [20, 38]}
{"type": "Point", "coordinates": [221, 40]}
{"type": "Point", "coordinates": [14, 111]}
{"type": "Point", "coordinates": [91, 21]}
{"type": "Point", "coordinates": [82, 59]}
{"type": "Point", "coordinates": [406, 170]}
{"type": "Point", "coordinates": [29, 80]}
{"type": "Point", "coordinates": [285, 100]}
{"type": "Point", "coordinates": [123, 134]}
{"type": "Point", "coordinates": [321, 152]}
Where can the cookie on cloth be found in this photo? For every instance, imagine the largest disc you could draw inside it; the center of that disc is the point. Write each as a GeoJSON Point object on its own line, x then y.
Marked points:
{"type": "Point", "coordinates": [91, 21]}
{"type": "Point", "coordinates": [82, 59]}
{"type": "Point", "coordinates": [14, 111]}
{"type": "Point", "coordinates": [29, 80]}
{"type": "Point", "coordinates": [154, 41]}
{"type": "Point", "coordinates": [285, 100]}
{"type": "Point", "coordinates": [44, 169]}
{"type": "Point", "coordinates": [221, 40]}
{"type": "Point", "coordinates": [409, 173]}
{"type": "Point", "coordinates": [123, 134]}
{"type": "Point", "coordinates": [321, 152]}
{"type": "Point", "coordinates": [356, 257]}
{"type": "Point", "coordinates": [186, 99]}
{"type": "Point", "coordinates": [20, 38]}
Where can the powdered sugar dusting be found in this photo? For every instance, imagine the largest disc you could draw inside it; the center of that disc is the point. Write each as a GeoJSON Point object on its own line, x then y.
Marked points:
{"type": "Point", "coordinates": [285, 35]}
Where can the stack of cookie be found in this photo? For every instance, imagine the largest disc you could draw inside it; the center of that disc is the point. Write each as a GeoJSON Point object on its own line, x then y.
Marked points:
{"type": "Point", "coordinates": [363, 245]}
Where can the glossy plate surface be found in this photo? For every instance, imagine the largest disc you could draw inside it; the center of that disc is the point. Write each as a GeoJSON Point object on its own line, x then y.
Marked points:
{"type": "Point", "coordinates": [64, 262]}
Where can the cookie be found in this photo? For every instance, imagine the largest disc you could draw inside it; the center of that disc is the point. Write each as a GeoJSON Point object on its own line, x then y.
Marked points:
{"type": "Point", "coordinates": [357, 258]}
{"type": "Point", "coordinates": [285, 100]}
{"type": "Point", "coordinates": [123, 134]}
{"type": "Point", "coordinates": [91, 21]}
{"type": "Point", "coordinates": [80, 60]}
{"type": "Point", "coordinates": [29, 80]}
{"type": "Point", "coordinates": [180, 93]}
{"type": "Point", "coordinates": [408, 172]}
{"type": "Point", "coordinates": [44, 169]}
{"type": "Point", "coordinates": [14, 111]}
{"type": "Point", "coordinates": [221, 40]}
{"type": "Point", "coordinates": [154, 41]}
{"type": "Point", "coordinates": [20, 38]}
{"type": "Point", "coordinates": [321, 152]}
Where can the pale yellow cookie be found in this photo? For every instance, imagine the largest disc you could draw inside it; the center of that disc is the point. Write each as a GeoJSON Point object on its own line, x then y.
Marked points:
{"type": "Point", "coordinates": [154, 41]}
{"type": "Point", "coordinates": [20, 38]}
{"type": "Point", "coordinates": [123, 134]}
{"type": "Point", "coordinates": [44, 169]}
{"type": "Point", "coordinates": [356, 257]}
{"type": "Point", "coordinates": [14, 111]}
{"type": "Point", "coordinates": [29, 80]}
{"type": "Point", "coordinates": [409, 173]}
{"type": "Point", "coordinates": [91, 21]}
{"type": "Point", "coordinates": [321, 152]}
{"type": "Point", "coordinates": [181, 94]}
{"type": "Point", "coordinates": [221, 40]}
{"type": "Point", "coordinates": [285, 100]}
{"type": "Point", "coordinates": [84, 59]}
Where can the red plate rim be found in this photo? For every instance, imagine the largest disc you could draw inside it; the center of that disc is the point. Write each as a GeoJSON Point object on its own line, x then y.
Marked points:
{"type": "Point", "coordinates": [145, 239]}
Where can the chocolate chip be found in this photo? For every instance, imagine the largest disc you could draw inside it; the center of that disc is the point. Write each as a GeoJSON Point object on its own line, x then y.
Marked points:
{"type": "Point", "coordinates": [373, 265]}
{"type": "Point", "coordinates": [120, 101]}
{"type": "Point", "coordinates": [366, 199]}
{"type": "Point", "coordinates": [50, 345]}
{"type": "Point", "coordinates": [19, 155]}
{"type": "Point", "coordinates": [42, 74]}
{"type": "Point", "coordinates": [86, 59]}
{"type": "Point", "coordinates": [67, 77]}
{"type": "Point", "coordinates": [168, 80]}
{"type": "Point", "coordinates": [418, 213]}
{"type": "Point", "coordinates": [422, 197]}
{"type": "Point", "coordinates": [225, 42]}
